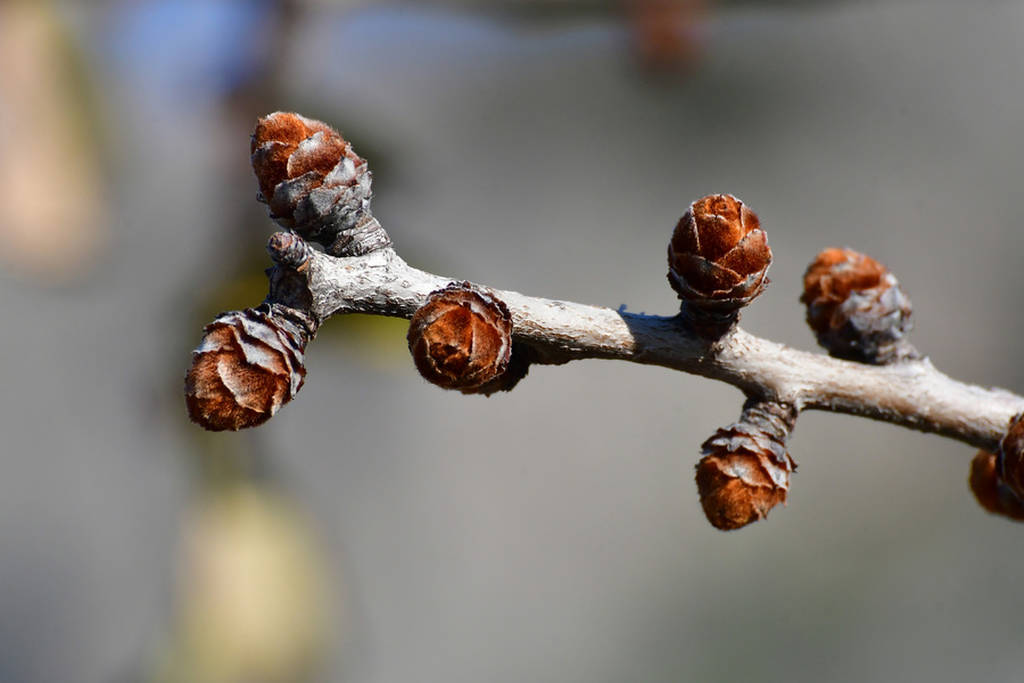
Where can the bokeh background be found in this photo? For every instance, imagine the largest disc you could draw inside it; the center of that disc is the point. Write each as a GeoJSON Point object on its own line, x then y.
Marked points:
{"type": "Point", "coordinates": [381, 530]}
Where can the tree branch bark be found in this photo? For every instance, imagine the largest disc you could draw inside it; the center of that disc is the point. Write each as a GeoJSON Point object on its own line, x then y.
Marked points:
{"type": "Point", "coordinates": [912, 394]}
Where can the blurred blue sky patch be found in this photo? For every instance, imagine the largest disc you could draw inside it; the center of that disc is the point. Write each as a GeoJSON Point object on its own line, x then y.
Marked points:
{"type": "Point", "coordinates": [194, 48]}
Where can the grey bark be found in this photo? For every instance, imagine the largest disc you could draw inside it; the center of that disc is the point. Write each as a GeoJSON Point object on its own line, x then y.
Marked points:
{"type": "Point", "coordinates": [911, 393]}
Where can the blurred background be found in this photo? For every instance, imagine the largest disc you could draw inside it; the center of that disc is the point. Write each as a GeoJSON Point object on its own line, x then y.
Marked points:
{"type": "Point", "coordinates": [363, 535]}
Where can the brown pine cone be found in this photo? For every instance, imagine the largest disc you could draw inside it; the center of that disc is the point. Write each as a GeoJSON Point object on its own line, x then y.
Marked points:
{"type": "Point", "coordinates": [289, 250]}
{"type": "Point", "coordinates": [990, 490]}
{"type": "Point", "coordinates": [1011, 457]}
{"type": "Point", "coordinates": [718, 258]}
{"type": "Point", "coordinates": [315, 184]}
{"type": "Point", "coordinates": [248, 365]}
{"type": "Point", "coordinates": [745, 468]}
{"type": "Point", "coordinates": [857, 309]}
{"type": "Point", "coordinates": [462, 339]}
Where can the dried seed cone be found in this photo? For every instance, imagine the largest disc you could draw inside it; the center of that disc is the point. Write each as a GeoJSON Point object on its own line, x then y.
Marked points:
{"type": "Point", "coordinates": [718, 257]}
{"type": "Point", "coordinates": [990, 490]}
{"type": "Point", "coordinates": [745, 468]}
{"type": "Point", "coordinates": [857, 309]}
{"type": "Point", "coordinates": [289, 250]}
{"type": "Point", "coordinates": [248, 365]}
{"type": "Point", "coordinates": [315, 184]}
{"type": "Point", "coordinates": [462, 339]}
{"type": "Point", "coordinates": [1011, 457]}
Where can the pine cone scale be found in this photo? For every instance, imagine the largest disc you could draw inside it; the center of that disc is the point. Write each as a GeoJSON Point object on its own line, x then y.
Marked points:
{"type": "Point", "coordinates": [270, 163]}
{"type": "Point", "coordinates": [750, 255]}
{"type": "Point", "coordinates": [317, 154]}
{"type": "Point", "coordinates": [251, 390]}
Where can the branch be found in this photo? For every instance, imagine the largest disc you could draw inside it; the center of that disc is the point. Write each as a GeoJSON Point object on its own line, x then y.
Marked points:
{"type": "Point", "coordinates": [912, 394]}
{"type": "Point", "coordinates": [481, 340]}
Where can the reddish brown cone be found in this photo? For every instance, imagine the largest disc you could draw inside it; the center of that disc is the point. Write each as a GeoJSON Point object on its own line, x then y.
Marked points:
{"type": "Point", "coordinates": [856, 308]}
{"type": "Point", "coordinates": [462, 339]}
{"type": "Point", "coordinates": [718, 258]}
{"type": "Point", "coordinates": [315, 184]}
{"type": "Point", "coordinates": [1011, 457]}
{"type": "Point", "coordinates": [745, 468]}
{"type": "Point", "coordinates": [248, 365]}
{"type": "Point", "coordinates": [990, 490]}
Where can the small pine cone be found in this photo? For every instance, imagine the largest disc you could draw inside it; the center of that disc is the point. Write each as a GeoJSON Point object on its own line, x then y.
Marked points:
{"type": "Point", "coordinates": [857, 309]}
{"type": "Point", "coordinates": [248, 365]}
{"type": "Point", "coordinates": [462, 339]}
{"type": "Point", "coordinates": [718, 259]}
{"type": "Point", "coordinates": [745, 468]}
{"type": "Point", "coordinates": [1011, 457]}
{"type": "Point", "coordinates": [289, 250]}
{"type": "Point", "coordinates": [315, 184]}
{"type": "Point", "coordinates": [990, 490]}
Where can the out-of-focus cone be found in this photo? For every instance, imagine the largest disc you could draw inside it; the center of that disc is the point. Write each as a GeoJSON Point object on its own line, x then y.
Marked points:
{"type": "Point", "coordinates": [665, 32]}
{"type": "Point", "coordinates": [857, 309]}
{"type": "Point", "coordinates": [989, 488]}
{"type": "Point", "coordinates": [53, 222]}
{"type": "Point", "coordinates": [253, 600]}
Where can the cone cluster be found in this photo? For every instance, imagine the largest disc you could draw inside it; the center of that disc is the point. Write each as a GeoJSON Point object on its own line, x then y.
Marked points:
{"type": "Point", "coordinates": [461, 338]}
{"type": "Point", "coordinates": [315, 184]}
{"type": "Point", "coordinates": [718, 258]}
{"type": "Point", "coordinates": [745, 468]}
{"type": "Point", "coordinates": [857, 309]}
{"type": "Point", "coordinates": [248, 365]}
